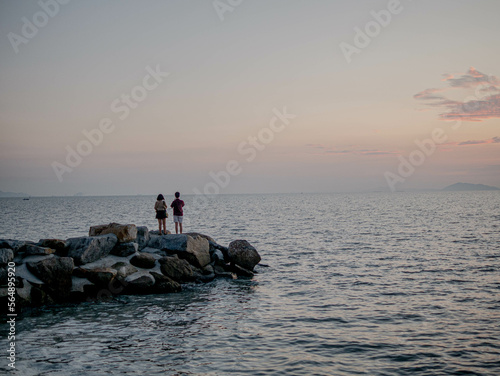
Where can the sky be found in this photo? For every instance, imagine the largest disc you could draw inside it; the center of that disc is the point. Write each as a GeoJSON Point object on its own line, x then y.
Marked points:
{"type": "Point", "coordinates": [247, 96]}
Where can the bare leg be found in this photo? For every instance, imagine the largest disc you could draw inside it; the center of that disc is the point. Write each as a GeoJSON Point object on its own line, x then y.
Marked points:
{"type": "Point", "coordinates": [180, 227]}
{"type": "Point", "coordinates": [164, 220]}
{"type": "Point", "coordinates": [159, 226]}
{"type": "Point", "coordinates": [176, 228]}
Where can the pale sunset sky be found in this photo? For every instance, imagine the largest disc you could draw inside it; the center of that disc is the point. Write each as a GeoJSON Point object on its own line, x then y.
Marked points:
{"type": "Point", "coordinates": [360, 81]}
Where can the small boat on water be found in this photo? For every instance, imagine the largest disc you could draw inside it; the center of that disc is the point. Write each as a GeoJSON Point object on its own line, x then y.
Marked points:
{"type": "Point", "coordinates": [26, 198]}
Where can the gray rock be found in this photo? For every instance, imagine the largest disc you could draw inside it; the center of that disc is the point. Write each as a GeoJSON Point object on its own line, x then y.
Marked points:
{"type": "Point", "coordinates": [124, 233]}
{"type": "Point", "coordinates": [35, 250]}
{"type": "Point", "coordinates": [57, 244]}
{"type": "Point", "coordinates": [208, 269]}
{"type": "Point", "coordinates": [173, 243]}
{"type": "Point", "coordinates": [6, 256]}
{"type": "Point", "coordinates": [3, 275]}
{"type": "Point", "coordinates": [36, 258]}
{"type": "Point", "coordinates": [164, 284]}
{"type": "Point", "coordinates": [204, 278]}
{"type": "Point", "coordinates": [142, 237]}
{"type": "Point", "coordinates": [194, 249]}
{"type": "Point", "coordinates": [15, 245]}
{"type": "Point", "coordinates": [88, 249]}
{"type": "Point", "coordinates": [176, 269]}
{"type": "Point", "coordinates": [155, 241]}
{"type": "Point", "coordinates": [195, 234]}
{"type": "Point", "coordinates": [220, 272]}
{"type": "Point", "coordinates": [125, 249]}
{"type": "Point", "coordinates": [217, 257]}
{"type": "Point", "coordinates": [78, 284]}
{"type": "Point", "coordinates": [24, 293]}
{"type": "Point", "coordinates": [154, 251]}
{"type": "Point", "coordinates": [139, 283]}
{"type": "Point", "coordinates": [56, 273]}
{"type": "Point", "coordinates": [213, 245]}
{"type": "Point", "coordinates": [156, 232]}
{"type": "Point", "coordinates": [143, 260]}
{"type": "Point", "coordinates": [124, 269]}
{"type": "Point", "coordinates": [23, 272]}
{"type": "Point", "coordinates": [99, 276]}
{"type": "Point", "coordinates": [241, 272]}
{"type": "Point", "coordinates": [242, 253]}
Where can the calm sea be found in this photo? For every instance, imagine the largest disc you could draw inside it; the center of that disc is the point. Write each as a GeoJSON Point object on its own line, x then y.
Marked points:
{"type": "Point", "coordinates": [357, 284]}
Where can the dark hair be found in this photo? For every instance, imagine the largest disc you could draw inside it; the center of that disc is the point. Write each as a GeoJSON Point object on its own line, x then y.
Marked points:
{"type": "Point", "coordinates": [177, 194]}
{"type": "Point", "coordinates": [160, 197]}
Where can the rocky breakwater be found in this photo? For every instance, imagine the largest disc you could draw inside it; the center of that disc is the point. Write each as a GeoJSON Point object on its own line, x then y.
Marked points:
{"type": "Point", "coordinates": [115, 259]}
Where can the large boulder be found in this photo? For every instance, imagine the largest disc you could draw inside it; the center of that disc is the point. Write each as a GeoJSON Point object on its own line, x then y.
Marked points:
{"type": "Point", "coordinates": [125, 249]}
{"type": "Point", "coordinates": [176, 269]}
{"type": "Point", "coordinates": [6, 256]}
{"type": "Point", "coordinates": [211, 242]}
{"type": "Point", "coordinates": [144, 260]}
{"type": "Point", "coordinates": [155, 241]}
{"type": "Point", "coordinates": [142, 237]}
{"type": "Point", "coordinates": [194, 249]}
{"type": "Point", "coordinates": [56, 273]}
{"type": "Point", "coordinates": [242, 253]}
{"type": "Point", "coordinates": [88, 249]}
{"type": "Point", "coordinates": [124, 233]}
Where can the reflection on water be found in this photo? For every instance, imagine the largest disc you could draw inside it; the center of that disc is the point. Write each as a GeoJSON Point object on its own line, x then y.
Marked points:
{"type": "Point", "coordinates": [392, 284]}
{"type": "Point", "coordinates": [158, 332]}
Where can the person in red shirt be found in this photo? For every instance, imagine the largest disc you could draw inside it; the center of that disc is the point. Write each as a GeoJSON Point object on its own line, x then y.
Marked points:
{"type": "Point", "coordinates": [177, 205]}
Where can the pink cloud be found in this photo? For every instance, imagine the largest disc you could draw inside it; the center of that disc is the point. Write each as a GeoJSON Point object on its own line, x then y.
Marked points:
{"type": "Point", "coordinates": [474, 110]}
{"type": "Point", "coordinates": [472, 78]}
{"type": "Point", "coordinates": [324, 150]}
{"type": "Point", "coordinates": [485, 105]}
{"type": "Point", "coordinates": [428, 94]}
{"type": "Point", "coordinates": [493, 140]}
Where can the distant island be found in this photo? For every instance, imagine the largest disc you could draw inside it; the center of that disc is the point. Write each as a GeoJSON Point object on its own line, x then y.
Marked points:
{"type": "Point", "coordinates": [13, 194]}
{"type": "Point", "coordinates": [470, 187]}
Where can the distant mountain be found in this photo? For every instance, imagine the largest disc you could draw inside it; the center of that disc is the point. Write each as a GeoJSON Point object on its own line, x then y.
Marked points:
{"type": "Point", "coordinates": [13, 194]}
{"type": "Point", "coordinates": [470, 187]}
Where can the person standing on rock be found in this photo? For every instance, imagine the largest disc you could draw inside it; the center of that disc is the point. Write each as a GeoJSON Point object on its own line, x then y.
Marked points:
{"type": "Point", "coordinates": [177, 205]}
{"type": "Point", "coordinates": [161, 213]}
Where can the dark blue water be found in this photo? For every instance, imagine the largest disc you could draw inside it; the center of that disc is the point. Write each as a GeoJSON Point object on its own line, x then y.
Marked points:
{"type": "Point", "coordinates": [370, 284]}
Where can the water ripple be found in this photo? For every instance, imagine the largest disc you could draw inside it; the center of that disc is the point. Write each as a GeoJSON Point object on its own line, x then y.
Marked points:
{"type": "Point", "coordinates": [378, 284]}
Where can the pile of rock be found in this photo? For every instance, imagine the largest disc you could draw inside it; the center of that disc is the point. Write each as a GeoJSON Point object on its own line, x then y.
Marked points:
{"type": "Point", "coordinates": [117, 259]}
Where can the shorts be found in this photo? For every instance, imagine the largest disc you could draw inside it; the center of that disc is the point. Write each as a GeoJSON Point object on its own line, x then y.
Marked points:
{"type": "Point", "coordinates": [177, 218]}
{"type": "Point", "coordinates": [161, 214]}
